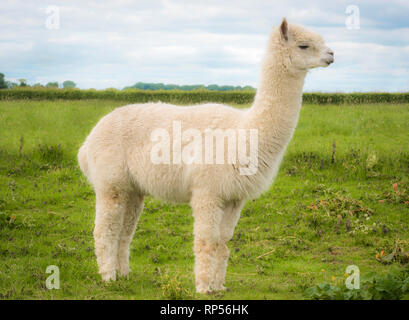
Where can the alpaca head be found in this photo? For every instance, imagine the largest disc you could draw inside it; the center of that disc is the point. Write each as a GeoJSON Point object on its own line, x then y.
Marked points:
{"type": "Point", "coordinates": [300, 49]}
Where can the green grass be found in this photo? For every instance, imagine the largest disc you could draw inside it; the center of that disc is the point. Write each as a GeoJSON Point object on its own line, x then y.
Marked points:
{"type": "Point", "coordinates": [283, 241]}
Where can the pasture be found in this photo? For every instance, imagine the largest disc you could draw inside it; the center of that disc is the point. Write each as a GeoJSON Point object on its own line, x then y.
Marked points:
{"type": "Point", "coordinates": [341, 198]}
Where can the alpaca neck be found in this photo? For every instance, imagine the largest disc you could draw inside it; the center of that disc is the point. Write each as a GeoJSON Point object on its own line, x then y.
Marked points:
{"type": "Point", "coordinates": [279, 94]}
{"type": "Point", "coordinates": [276, 107]}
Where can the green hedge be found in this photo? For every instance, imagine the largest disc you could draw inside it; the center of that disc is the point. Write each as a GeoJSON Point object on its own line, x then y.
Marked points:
{"type": "Point", "coordinates": [195, 96]}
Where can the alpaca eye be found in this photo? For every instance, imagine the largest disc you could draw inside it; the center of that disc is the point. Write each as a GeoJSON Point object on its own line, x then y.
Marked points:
{"type": "Point", "coordinates": [303, 47]}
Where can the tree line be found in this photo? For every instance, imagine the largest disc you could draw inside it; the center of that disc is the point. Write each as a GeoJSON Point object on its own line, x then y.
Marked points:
{"type": "Point", "coordinates": [161, 86]}
{"type": "Point", "coordinates": [4, 84]}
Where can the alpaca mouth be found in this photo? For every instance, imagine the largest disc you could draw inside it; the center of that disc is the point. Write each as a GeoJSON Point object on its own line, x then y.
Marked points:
{"type": "Point", "coordinates": [329, 61]}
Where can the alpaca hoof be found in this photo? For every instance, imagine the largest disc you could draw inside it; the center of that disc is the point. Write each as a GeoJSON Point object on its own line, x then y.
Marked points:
{"type": "Point", "coordinates": [208, 292]}
{"type": "Point", "coordinates": [203, 289]}
{"type": "Point", "coordinates": [124, 272]}
{"type": "Point", "coordinates": [123, 275]}
{"type": "Point", "coordinates": [221, 288]}
{"type": "Point", "coordinates": [108, 276]}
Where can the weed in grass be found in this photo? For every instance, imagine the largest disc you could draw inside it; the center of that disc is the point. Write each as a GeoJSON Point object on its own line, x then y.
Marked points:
{"type": "Point", "coordinates": [399, 253]}
{"type": "Point", "coordinates": [398, 194]}
{"type": "Point", "coordinates": [50, 154]}
{"type": "Point", "coordinates": [335, 210]}
{"type": "Point", "coordinates": [172, 288]}
{"type": "Point", "coordinates": [391, 286]}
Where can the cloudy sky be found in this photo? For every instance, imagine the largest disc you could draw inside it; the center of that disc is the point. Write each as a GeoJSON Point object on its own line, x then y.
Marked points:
{"type": "Point", "coordinates": [115, 43]}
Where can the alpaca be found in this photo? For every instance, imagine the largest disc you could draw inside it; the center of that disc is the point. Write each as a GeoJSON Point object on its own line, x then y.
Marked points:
{"type": "Point", "coordinates": [116, 158]}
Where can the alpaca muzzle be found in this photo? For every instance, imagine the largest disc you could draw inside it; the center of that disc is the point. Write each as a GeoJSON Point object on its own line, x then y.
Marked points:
{"type": "Point", "coordinates": [330, 57]}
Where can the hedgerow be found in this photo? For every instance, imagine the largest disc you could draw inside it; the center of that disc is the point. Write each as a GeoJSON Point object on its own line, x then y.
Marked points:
{"type": "Point", "coordinates": [194, 96]}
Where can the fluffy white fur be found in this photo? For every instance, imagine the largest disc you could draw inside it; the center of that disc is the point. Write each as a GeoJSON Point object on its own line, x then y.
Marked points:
{"type": "Point", "coordinates": [116, 160]}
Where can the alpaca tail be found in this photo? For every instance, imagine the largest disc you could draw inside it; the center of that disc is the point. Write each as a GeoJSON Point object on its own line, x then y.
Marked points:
{"type": "Point", "coordinates": [82, 159]}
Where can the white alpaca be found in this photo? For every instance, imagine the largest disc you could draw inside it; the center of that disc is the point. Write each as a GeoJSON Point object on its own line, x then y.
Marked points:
{"type": "Point", "coordinates": [116, 158]}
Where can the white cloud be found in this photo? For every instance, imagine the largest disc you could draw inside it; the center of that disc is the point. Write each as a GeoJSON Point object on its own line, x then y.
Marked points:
{"type": "Point", "coordinates": [244, 56]}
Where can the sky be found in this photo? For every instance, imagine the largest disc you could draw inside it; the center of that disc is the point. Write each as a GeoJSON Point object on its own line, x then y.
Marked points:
{"type": "Point", "coordinates": [116, 43]}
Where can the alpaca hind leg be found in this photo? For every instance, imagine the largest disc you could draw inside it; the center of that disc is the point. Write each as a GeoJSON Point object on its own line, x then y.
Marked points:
{"type": "Point", "coordinates": [229, 220]}
{"type": "Point", "coordinates": [207, 214]}
{"type": "Point", "coordinates": [131, 217]}
{"type": "Point", "coordinates": [110, 210]}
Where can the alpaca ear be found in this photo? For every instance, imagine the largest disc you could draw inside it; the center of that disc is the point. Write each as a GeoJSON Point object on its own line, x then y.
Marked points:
{"type": "Point", "coordinates": [284, 29]}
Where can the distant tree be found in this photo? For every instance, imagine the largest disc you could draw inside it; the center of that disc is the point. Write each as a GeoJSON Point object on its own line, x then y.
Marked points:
{"type": "Point", "coordinates": [3, 84]}
{"type": "Point", "coordinates": [191, 87]}
{"type": "Point", "coordinates": [212, 87]}
{"type": "Point", "coordinates": [158, 86]}
{"type": "Point", "coordinates": [171, 86]}
{"type": "Point", "coordinates": [226, 88]}
{"type": "Point", "coordinates": [11, 84]}
{"type": "Point", "coordinates": [68, 84]}
{"type": "Point", "coordinates": [38, 85]}
{"type": "Point", "coordinates": [23, 82]}
{"type": "Point", "coordinates": [52, 84]}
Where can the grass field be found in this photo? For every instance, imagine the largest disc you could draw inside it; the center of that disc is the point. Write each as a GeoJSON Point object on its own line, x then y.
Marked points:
{"type": "Point", "coordinates": [328, 208]}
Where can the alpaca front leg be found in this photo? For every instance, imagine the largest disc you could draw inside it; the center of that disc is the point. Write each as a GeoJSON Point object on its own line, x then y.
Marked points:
{"type": "Point", "coordinates": [132, 214]}
{"type": "Point", "coordinates": [207, 217]}
{"type": "Point", "coordinates": [205, 252]}
{"type": "Point", "coordinates": [229, 221]}
{"type": "Point", "coordinates": [108, 224]}
{"type": "Point", "coordinates": [220, 266]}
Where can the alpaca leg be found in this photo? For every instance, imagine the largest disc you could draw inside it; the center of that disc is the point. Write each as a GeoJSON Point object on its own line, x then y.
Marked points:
{"type": "Point", "coordinates": [207, 215]}
{"type": "Point", "coordinates": [229, 220]}
{"type": "Point", "coordinates": [131, 217]}
{"type": "Point", "coordinates": [110, 209]}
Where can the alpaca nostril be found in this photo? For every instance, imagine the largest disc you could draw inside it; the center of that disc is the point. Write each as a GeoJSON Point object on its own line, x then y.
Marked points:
{"type": "Point", "coordinates": [331, 53]}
